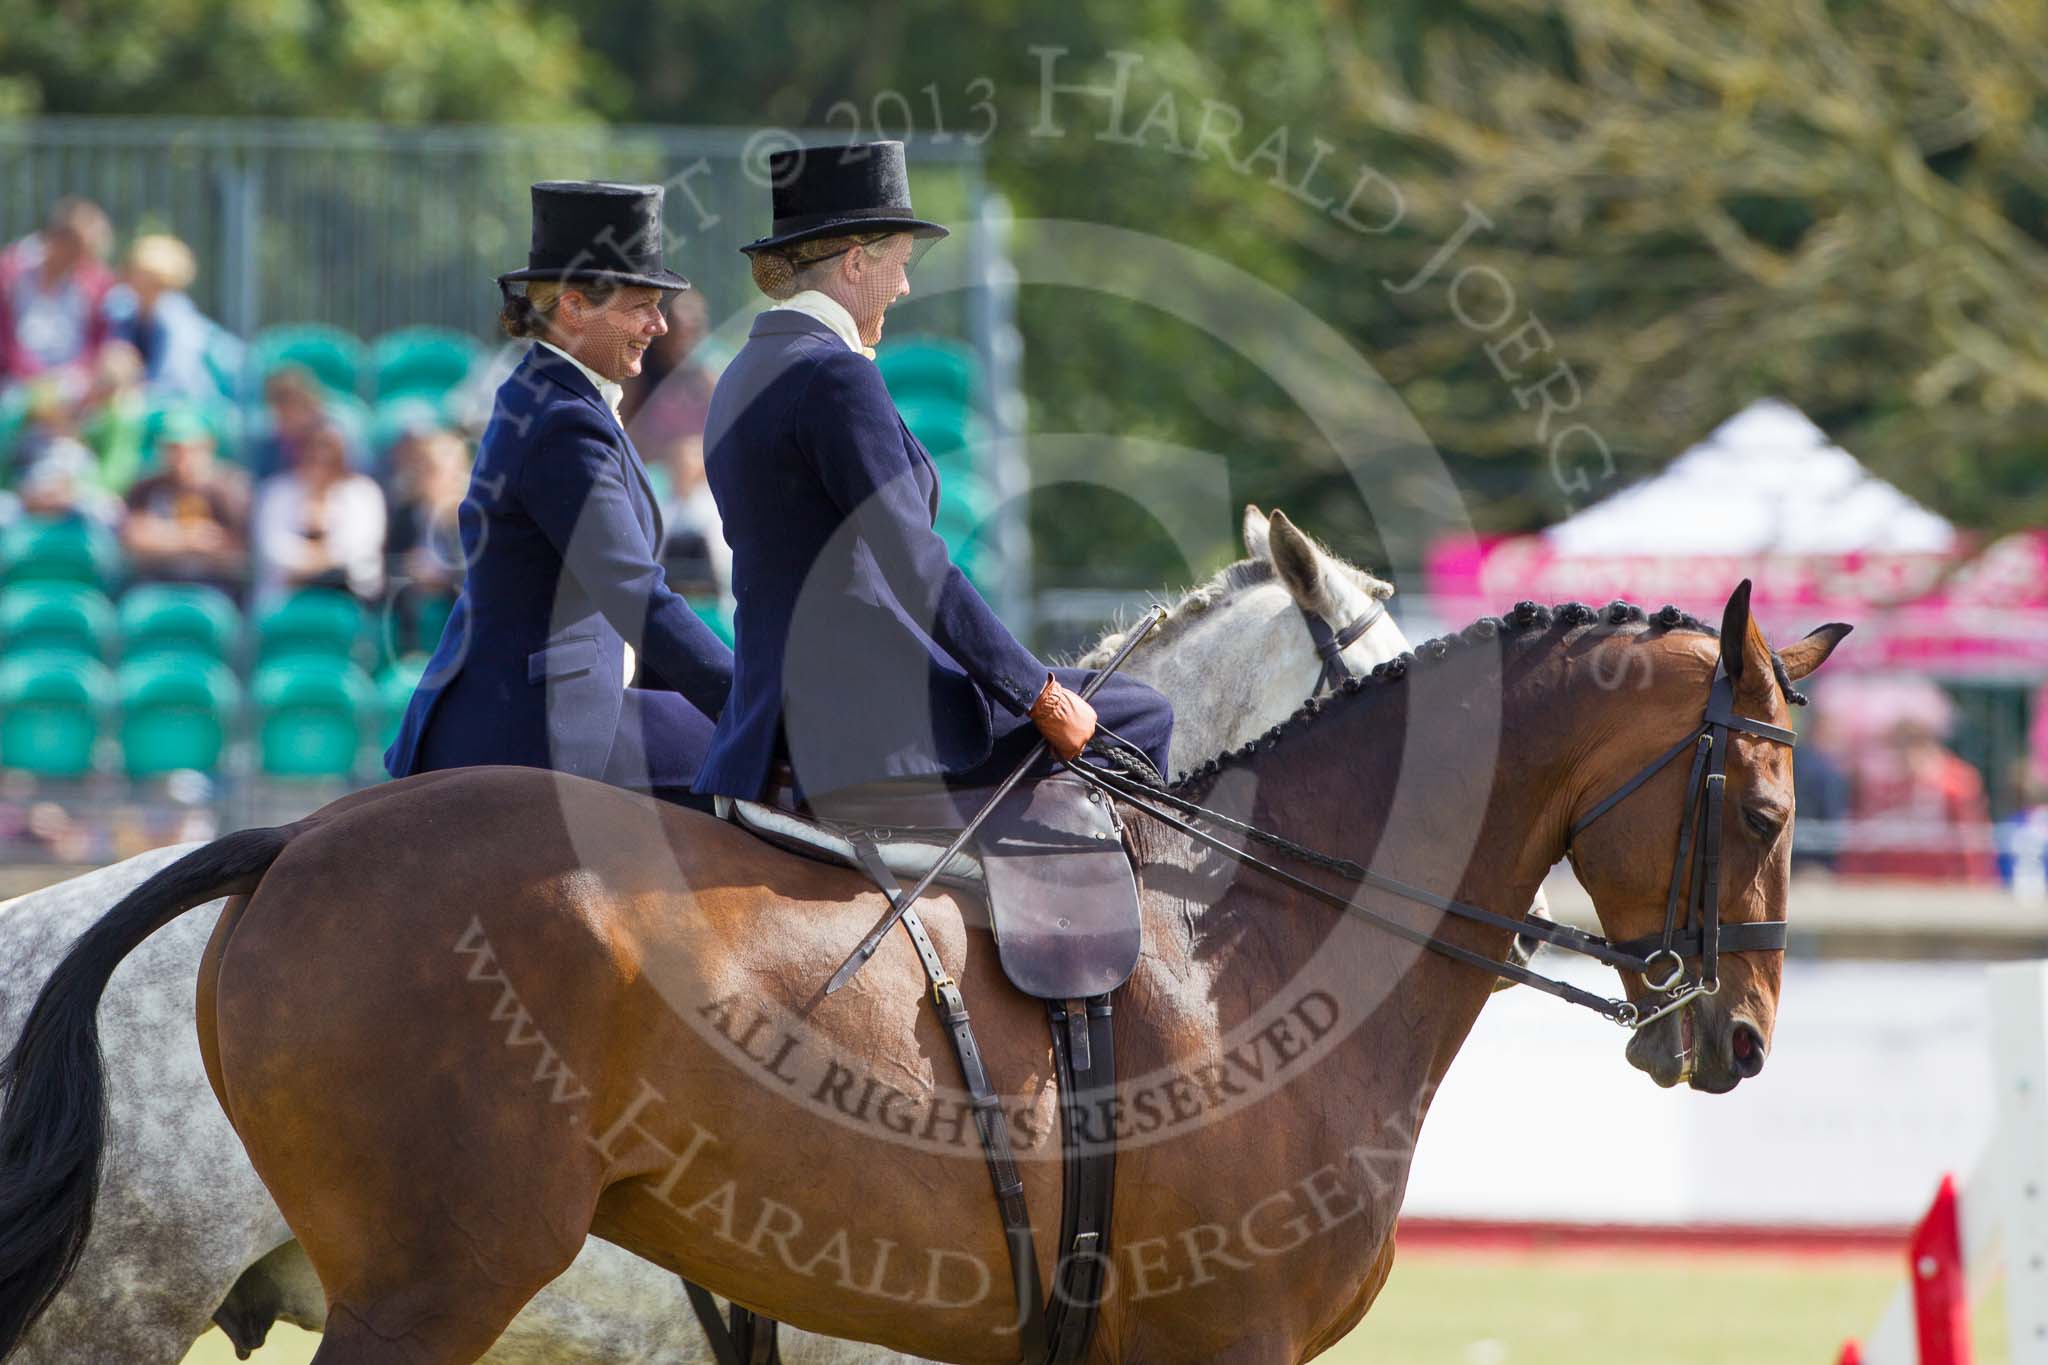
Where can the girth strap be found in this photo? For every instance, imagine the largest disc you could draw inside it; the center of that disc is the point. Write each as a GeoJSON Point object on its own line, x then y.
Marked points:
{"type": "Point", "coordinates": [989, 1120]}
{"type": "Point", "coordinates": [746, 1338]}
{"type": "Point", "coordinates": [1088, 1148]}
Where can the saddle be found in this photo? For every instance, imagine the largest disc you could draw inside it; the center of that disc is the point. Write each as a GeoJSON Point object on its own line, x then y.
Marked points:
{"type": "Point", "coordinates": [1048, 864]}
{"type": "Point", "coordinates": [1050, 868]}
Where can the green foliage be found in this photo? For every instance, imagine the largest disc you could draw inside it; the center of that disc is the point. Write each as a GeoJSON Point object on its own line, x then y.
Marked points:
{"type": "Point", "coordinates": [1695, 203]}
{"type": "Point", "coordinates": [398, 60]}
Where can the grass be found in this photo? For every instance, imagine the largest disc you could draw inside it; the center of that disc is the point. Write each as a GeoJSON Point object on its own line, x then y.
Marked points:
{"type": "Point", "coordinates": [1607, 1308]}
{"type": "Point", "coordinates": [1463, 1307]}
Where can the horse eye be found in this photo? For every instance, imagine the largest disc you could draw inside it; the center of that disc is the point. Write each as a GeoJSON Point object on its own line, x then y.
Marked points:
{"type": "Point", "coordinates": [1764, 826]}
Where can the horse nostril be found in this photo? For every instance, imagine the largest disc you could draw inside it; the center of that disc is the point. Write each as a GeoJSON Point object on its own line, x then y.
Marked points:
{"type": "Point", "coordinates": [1746, 1045]}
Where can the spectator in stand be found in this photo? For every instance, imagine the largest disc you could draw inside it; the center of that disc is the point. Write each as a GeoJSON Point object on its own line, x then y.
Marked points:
{"type": "Point", "coordinates": [665, 410]}
{"type": "Point", "coordinates": [2023, 855]}
{"type": "Point", "coordinates": [297, 407]}
{"type": "Point", "coordinates": [675, 379]}
{"type": "Point", "coordinates": [115, 415]}
{"type": "Point", "coordinates": [150, 311]}
{"type": "Point", "coordinates": [694, 556]}
{"type": "Point", "coordinates": [1920, 812]}
{"type": "Point", "coordinates": [63, 481]}
{"type": "Point", "coordinates": [53, 286]}
{"type": "Point", "coordinates": [318, 524]}
{"type": "Point", "coordinates": [1824, 791]}
{"type": "Point", "coordinates": [429, 479]}
{"type": "Point", "coordinates": [46, 418]}
{"type": "Point", "coordinates": [188, 523]}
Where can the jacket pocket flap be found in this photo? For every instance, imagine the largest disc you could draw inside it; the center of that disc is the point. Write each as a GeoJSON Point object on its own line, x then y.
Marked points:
{"type": "Point", "coordinates": [565, 658]}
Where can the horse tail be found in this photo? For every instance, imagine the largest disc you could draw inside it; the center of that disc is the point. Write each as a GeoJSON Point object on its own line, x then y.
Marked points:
{"type": "Point", "coordinates": [53, 1125]}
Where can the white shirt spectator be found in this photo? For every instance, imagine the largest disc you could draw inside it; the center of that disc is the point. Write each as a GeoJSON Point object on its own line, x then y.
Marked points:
{"type": "Point", "coordinates": [292, 534]}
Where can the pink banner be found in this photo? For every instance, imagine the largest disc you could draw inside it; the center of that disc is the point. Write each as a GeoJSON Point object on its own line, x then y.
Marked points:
{"type": "Point", "coordinates": [1984, 613]}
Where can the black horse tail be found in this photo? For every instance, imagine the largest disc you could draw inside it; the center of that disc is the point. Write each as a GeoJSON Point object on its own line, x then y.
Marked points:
{"type": "Point", "coordinates": [53, 1125]}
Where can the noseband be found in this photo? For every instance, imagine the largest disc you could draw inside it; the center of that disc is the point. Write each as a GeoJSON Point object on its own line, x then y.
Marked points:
{"type": "Point", "coordinates": [1658, 959]}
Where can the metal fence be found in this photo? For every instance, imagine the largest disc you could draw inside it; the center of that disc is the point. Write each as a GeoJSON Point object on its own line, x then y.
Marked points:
{"type": "Point", "coordinates": [371, 227]}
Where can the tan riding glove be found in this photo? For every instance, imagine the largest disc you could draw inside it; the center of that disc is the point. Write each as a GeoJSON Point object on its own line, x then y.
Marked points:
{"type": "Point", "coordinates": [1064, 717]}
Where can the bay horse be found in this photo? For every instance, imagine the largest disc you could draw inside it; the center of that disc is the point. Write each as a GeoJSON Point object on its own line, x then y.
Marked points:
{"type": "Point", "coordinates": [462, 1025]}
{"type": "Point", "coordinates": [185, 1234]}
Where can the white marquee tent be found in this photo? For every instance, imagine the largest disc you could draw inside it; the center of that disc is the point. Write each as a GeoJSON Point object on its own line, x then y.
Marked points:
{"type": "Point", "coordinates": [1766, 481]}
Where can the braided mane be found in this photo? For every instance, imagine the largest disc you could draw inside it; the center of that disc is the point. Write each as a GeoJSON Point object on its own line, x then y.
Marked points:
{"type": "Point", "coordinates": [1524, 624]}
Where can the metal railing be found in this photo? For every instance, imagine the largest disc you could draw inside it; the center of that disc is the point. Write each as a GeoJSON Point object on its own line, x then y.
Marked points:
{"type": "Point", "coordinates": [371, 227]}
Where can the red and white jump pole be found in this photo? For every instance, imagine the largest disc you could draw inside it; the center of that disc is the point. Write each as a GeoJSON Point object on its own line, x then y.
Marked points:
{"type": "Point", "coordinates": [1999, 1218]}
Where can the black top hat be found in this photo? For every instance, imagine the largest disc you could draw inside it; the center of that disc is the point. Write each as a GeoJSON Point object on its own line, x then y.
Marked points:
{"type": "Point", "coordinates": [593, 230]}
{"type": "Point", "coordinates": [827, 191]}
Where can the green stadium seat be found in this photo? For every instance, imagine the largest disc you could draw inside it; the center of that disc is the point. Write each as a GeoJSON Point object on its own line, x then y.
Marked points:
{"type": "Point", "coordinates": [317, 622]}
{"type": "Point", "coordinates": [221, 418]}
{"type": "Point", "coordinates": [59, 550]}
{"type": "Point", "coordinates": [51, 708]}
{"type": "Point", "coordinates": [14, 404]}
{"type": "Point", "coordinates": [177, 711]}
{"type": "Point", "coordinates": [929, 368]}
{"type": "Point", "coordinates": [394, 418]}
{"type": "Point", "coordinates": [310, 717]}
{"type": "Point", "coordinates": [434, 613]}
{"type": "Point", "coordinates": [334, 357]}
{"type": "Point", "coordinates": [227, 361]}
{"type": "Point", "coordinates": [56, 616]}
{"type": "Point", "coordinates": [177, 619]}
{"type": "Point", "coordinates": [712, 613]}
{"type": "Point", "coordinates": [421, 362]}
{"type": "Point", "coordinates": [394, 692]}
{"type": "Point", "coordinates": [955, 435]}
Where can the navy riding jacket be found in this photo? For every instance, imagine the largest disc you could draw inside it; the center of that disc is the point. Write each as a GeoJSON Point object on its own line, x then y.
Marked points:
{"type": "Point", "coordinates": [562, 536]}
{"type": "Point", "coordinates": [862, 651]}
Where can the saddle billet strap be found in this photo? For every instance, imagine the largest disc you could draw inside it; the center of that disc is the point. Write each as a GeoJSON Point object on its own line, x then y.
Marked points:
{"type": "Point", "coordinates": [989, 1120]}
{"type": "Point", "coordinates": [720, 1337]}
{"type": "Point", "coordinates": [756, 1338]}
{"type": "Point", "coordinates": [1088, 1161]}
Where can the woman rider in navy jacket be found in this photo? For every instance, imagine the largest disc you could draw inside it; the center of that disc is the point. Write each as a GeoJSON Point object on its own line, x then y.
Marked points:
{"type": "Point", "coordinates": [863, 654]}
{"type": "Point", "coordinates": [562, 533]}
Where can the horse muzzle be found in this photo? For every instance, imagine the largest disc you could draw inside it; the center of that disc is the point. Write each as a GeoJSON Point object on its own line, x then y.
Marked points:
{"type": "Point", "coordinates": [1703, 1044]}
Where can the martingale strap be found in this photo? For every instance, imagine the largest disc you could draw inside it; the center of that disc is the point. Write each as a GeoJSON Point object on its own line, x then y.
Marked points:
{"type": "Point", "coordinates": [989, 1120]}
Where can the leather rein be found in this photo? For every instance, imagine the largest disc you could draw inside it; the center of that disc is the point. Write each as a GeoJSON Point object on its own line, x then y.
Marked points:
{"type": "Point", "coordinates": [1659, 959]}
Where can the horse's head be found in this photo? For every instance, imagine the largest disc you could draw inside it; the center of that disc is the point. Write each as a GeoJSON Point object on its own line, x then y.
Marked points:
{"type": "Point", "coordinates": [1238, 655]}
{"type": "Point", "coordinates": [1632, 857]}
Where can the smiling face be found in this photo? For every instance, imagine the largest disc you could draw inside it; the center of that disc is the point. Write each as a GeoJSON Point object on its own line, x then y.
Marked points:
{"type": "Point", "coordinates": [611, 336]}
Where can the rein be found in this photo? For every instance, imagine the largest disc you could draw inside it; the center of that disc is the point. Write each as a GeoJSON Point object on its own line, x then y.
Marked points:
{"type": "Point", "coordinates": [1659, 959]}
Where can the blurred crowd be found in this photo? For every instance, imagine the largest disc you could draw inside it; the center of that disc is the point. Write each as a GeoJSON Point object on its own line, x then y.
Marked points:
{"type": "Point", "coordinates": [1881, 793]}
{"type": "Point", "coordinates": [122, 404]}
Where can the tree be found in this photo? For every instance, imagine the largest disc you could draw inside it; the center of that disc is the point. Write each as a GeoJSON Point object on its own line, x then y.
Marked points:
{"type": "Point", "coordinates": [399, 60]}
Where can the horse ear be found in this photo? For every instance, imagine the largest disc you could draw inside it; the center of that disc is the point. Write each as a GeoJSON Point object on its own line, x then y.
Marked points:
{"type": "Point", "coordinates": [1810, 653]}
{"type": "Point", "coordinates": [1257, 540]}
{"type": "Point", "coordinates": [1742, 644]}
{"type": "Point", "coordinates": [1299, 563]}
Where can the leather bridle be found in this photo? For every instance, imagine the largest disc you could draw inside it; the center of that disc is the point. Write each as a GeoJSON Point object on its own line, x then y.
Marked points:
{"type": "Point", "coordinates": [1330, 644]}
{"type": "Point", "coordinates": [1659, 959]}
{"type": "Point", "coordinates": [1702, 935]}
